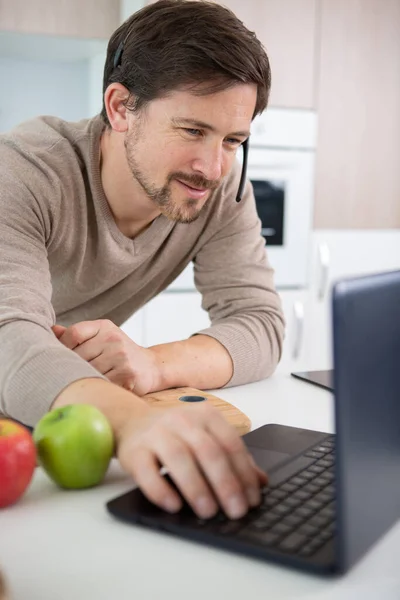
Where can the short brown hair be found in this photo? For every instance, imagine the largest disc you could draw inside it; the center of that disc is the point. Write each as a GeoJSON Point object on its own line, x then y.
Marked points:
{"type": "Point", "coordinates": [176, 43]}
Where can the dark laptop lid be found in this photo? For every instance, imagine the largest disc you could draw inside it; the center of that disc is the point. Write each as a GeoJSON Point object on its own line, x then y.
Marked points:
{"type": "Point", "coordinates": [366, 326]}
{"type": "Point", "coordinates": [322, 378]}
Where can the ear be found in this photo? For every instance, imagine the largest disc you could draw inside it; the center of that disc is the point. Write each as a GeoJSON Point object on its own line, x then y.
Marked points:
{"type": "Point", "coordinates": [115, 98]}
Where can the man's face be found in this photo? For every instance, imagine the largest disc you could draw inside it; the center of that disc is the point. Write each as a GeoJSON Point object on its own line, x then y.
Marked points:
{"type": "Point", "coordinates": [180, 147]}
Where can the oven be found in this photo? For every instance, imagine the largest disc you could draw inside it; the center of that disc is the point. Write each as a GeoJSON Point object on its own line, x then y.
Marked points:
{"type": "Point", "coordinates": [281, 169]}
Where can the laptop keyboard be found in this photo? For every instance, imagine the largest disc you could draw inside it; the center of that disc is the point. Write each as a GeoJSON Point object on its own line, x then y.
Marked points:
{"type": "Point", "coordinates": [297, 516]}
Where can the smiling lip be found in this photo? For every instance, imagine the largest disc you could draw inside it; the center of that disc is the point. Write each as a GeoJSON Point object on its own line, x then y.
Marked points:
{"type": "Point", "coordinates": [193, 192]}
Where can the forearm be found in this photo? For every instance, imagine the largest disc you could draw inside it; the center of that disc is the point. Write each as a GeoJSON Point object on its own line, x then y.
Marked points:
{"type": "Point", "coordinates": [200, 362]}
{"type": "Point", "coordinates": [117, 404]}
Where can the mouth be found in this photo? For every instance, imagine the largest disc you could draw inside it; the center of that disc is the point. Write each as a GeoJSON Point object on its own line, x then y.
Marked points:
{"type": "Point", "coordinates": [196, 193]}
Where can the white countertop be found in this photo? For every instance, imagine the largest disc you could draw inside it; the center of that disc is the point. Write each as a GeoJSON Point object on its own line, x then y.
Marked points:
{"type": "Point", "coordinates": [58, 545]}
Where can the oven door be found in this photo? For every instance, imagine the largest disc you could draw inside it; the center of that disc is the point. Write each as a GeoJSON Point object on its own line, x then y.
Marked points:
{"type": "Point", "coordinates": [283, 188]}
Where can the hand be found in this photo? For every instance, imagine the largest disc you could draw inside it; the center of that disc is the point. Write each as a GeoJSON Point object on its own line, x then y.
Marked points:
{"type": "Point", "coordinates": [111, 352]}
{"type": "Point", "coordinates": [204, 456]}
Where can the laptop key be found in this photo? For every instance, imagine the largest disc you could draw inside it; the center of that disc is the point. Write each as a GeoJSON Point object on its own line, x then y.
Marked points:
{"type": "Point", "coordinates": [293, 502]}
{"type": "Point", "coordinates": [304, 512]}
{"type": "Point", "coordinates": [330, 489]}
{"type": "Point", "coordinates": [322, 449]}
{"type": "Point", "coordinates": [293, 520]}
{"type": "Point", "coordinates": [292, 542]}
{"type": "Point", "coordinates": [281, 509]}
{"type": "Point", "coordinates": [270, 518]}
{"type": "Point", "coordinates": [302, 495]}
{"type": "Point", "coordinates": [314, 454]}
{"type": "Point", "coordinates": [328, 511]}
{"type": "Point", "coordinates": [312, 488]}
{"type": "Point", "coordinates": [289, 472]}
{"type": "Point", "coordinates": [288, 487]}
{"type": "Point", "coordinates": [229, 528]}
{"type": "Point", "coordinates": [310, 548]}
{"type": "Point", "coordinates": [320, 481]}
{"type": "Point", "coordinates": [327, 476]}
{"type": "Point", "coordinates": [325, 462]}
{"type": "Point", "coordinates": [281, 529]}
{"type": "Point", "coordinates": [314, 504]}
{"type": "Point", "coordinates": [319, 521]}
{"type": "Point", "coordinates": [316, 469]}
{"type": "Point", "coordinates": [307, 550]}
{"type": "Point", "coordinates": [266, 538]}
{"type": "Point", "coordinates": [324, 497]}
{"type": "Point", "coordinates": [279, 494]}
{"type": "Point", "coordinates": [260, 524]}
{"type": "Point", "coordinates": [298, 481]}
{"type": "Point", "coordinates": [326, 534]}
{"type": "Point", "coordinates": [269, 502]}
{"type": "Point", "coordinates": [308, 530]}
{"type": "Point", "coordinates": [308, 474]}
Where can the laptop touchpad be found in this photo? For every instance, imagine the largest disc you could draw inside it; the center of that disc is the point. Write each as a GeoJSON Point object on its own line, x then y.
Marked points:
{"type": "Point", "coordinates": [267, 459]}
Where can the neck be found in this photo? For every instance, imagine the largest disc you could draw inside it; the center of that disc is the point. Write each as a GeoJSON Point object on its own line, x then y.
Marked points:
{"type": "Point", "coordinates": [131, 208]}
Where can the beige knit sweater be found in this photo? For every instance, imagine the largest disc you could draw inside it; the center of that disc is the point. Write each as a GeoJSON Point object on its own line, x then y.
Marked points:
{"type": "Point", "coordinates": [64, 260]}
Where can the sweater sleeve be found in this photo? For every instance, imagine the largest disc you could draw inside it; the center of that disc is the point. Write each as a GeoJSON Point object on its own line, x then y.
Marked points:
{"type": "Point", "coordinates": [236, 281]}
{"type": "Point", "coordinates": [35, 367]}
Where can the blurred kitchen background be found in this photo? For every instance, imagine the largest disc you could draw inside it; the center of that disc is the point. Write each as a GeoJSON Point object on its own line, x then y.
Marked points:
{"type": "Point", "coordinates": [324, 158]}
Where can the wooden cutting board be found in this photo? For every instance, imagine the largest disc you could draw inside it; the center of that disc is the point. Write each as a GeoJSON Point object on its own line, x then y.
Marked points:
{"type": "Point", "coordinates": [191, 396]}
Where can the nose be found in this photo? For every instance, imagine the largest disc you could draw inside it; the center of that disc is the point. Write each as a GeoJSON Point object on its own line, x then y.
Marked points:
{"type": "Point", "coordinates": [209, 161]}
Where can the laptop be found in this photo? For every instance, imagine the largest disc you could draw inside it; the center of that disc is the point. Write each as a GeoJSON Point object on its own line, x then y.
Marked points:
{"type": "Point", "coordinates": [321, 378]}
{"type": "Point", "coordinates": [329, 497]}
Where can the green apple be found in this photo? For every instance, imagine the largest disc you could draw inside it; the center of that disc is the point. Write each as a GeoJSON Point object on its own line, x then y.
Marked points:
{"type": "Point", "coordinates": [74, 445]}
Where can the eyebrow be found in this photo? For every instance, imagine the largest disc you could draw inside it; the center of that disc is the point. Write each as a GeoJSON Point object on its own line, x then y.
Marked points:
{"type": "Point", "coordinates": [202, 125]}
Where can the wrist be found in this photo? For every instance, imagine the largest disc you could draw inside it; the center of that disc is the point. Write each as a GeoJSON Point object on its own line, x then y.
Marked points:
{"type": "Point", "coordinates": [117, 404]}
{"type": "Point", "coordinates": [166, 364]}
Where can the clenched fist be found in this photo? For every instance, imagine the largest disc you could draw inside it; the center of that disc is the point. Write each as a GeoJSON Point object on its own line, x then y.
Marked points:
{"type": "Point", "coordinates": [111, 352]}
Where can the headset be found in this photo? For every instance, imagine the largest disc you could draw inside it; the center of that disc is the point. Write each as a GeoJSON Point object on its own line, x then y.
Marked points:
{"type": "Point", "coordinates": [245, 144]}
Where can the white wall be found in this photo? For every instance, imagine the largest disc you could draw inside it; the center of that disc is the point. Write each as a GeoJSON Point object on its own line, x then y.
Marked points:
{"type": "Point", "coordinates": [128, 7]}
{"type": "Point", "coordinates": [96, 70]}
{"type": "Point", "coordinates": [36, 88]}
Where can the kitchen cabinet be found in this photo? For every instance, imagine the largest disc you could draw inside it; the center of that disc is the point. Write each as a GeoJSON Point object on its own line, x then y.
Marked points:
{"type": "Point", "coordinates": [134, 327]}
{"type": "Point", "coordinates": [74, 18]}
{"type": "Point", "coordinates": [358, 145]}
{"type": "Point", "coordinates": [288, 29]}
{"type": "Point", "coordinates": [338, 254]}
{"type": "Point", "coordinates": [295, 310]}
{"type": "Point", "coordinates": [173, 316]}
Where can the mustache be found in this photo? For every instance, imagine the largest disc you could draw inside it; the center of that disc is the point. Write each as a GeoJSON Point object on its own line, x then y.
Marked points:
{"type": "Point", "coordinates": [195, 180]}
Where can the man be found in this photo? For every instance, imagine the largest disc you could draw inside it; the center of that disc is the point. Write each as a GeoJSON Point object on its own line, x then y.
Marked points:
{"type": "Point", "coordinates": [3, 591]}
{"type": "Point", "coordinates": [98, 217]}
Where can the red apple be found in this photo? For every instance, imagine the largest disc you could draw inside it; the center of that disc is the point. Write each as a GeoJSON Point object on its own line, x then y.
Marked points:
{"type": "Point", "coordinates": [17, 461]}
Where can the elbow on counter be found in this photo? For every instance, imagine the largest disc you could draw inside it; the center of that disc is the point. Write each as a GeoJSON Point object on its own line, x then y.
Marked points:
{"type": "Point", "coordinates": [260, 348]}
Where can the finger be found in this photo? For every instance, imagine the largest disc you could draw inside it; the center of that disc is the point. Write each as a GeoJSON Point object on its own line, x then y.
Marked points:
{"type": "Point", "coordinates": [93, 352]}
{"type": "Point", "coordinates": [261, 475]}
{"type": "Point", "coordinates": [239, 456]}
{"type": "Point", "coordinates": [184, 470]}
{"type": "Point", "coordinates": [144, 468]}
{"type": "Point", "coordinates": [77, 334]}
{"type": "Point", "coordinates": [124, 379]}
{"type": "Point", "coordinates": [58, 330]}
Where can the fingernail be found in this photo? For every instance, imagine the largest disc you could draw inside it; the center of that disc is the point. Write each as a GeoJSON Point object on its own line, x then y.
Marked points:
{"type": "Point", "coordinates": [253, 496]}
{"type": "Point", "coordinates": [205, 507]}
{"type": "Point", "coordinates": [172, 504]}
{"type": "Point", "coordinates": [236, 506]}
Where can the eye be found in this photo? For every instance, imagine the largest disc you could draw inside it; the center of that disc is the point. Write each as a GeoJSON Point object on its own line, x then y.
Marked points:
{"type": "Point", "coordinates": [233, 141]}
{"type": "Point", "coordinates": [192, 132]}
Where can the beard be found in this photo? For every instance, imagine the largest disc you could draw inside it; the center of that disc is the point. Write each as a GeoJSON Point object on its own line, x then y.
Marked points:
{"type": "Point", "coordinates": [182, 212]}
